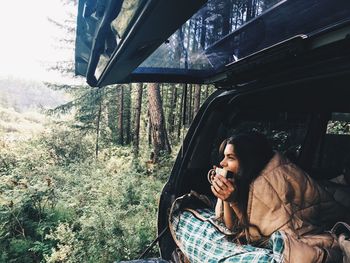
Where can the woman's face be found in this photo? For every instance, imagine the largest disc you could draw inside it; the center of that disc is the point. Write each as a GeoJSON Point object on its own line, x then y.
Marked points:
{"type": "Point", "coordinates": [230, 161]}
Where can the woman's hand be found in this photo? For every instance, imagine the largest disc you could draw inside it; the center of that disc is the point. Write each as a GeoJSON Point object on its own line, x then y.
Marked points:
{"type": "Point", "coordinates": [224, 189]}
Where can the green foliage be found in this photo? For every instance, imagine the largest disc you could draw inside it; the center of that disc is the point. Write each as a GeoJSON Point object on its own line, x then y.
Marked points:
{"type": "Point", "coordinates": [67, 146]}
{"type": "Point", "coordinates": [26, 215]}
{"type": "Point", "coordinates": [60, 204]}
{"type": "Point", "coordinates": [338, 127]}
{"type": "Point", "coordinates": [114, 213]}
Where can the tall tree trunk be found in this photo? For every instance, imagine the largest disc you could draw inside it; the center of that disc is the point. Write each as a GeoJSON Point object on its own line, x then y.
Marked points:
{"type": "Point", "coordinates": [161, 90]}
{"type": "Point", "coordinates": [190, 108]}
{"type": "Point", "coordinates": [138, 104]}
{"type": "Point", "coordinates": [237, 16]}
{"type": "Point", "coordinates": [165, 100]}
{"type": "Point", "coordinates": [120, 119]}
{"type": "Point", "coordinates": [98, 121]}
{"type": "Point", "coordinates": [254, 8]}
{"type": "Point", "coordinates": [149, 128]}
{"type": "Point", "coordinates": [250, 9]}
{"type": "Point", "coordinates": [172, 110]}
{"type": "Point", "coordinates": [127, 115]}
{"type": "Point", "coordinates": [179, 47]}
{"type": "Point", "coordinates": [159, 134]}
{"type": "Point", "coordinates": [181, 110]}
{"type": "Point", "coordinates": [225, 12]}
{"type": "Point", "coordinates": [206, 91]}
{"type": "Point", "coordinates": [194, 36]}
{"type": "Point", "coordinates": [197, 98]}
{"type": "Point", "coordinates": [188, 44]}
{"type": "Point", "coordinates": [112, 114]}
{"type": "Point", "coordinates": [203, 36]}
{"type": "Point", "coordinates": [184, 111]}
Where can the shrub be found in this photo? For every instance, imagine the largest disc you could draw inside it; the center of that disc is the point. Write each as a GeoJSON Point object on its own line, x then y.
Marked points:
{"type": "Point", "coordinates": [67, 146]}
{"type": "Point", "coordinates": [115, 212]}
{"type": "Point", "coordinates": [60, 204]}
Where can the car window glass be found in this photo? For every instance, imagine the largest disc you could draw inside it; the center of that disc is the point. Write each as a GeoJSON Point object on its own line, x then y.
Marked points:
{"type": "Point", "coordinates": [189, 46]}
{"type": "Point", "coordinates": [286, 131]}
{"type": "Point", "coordinates": [222, 32]}
{"type": "Point", "coordinates": [334, 155]}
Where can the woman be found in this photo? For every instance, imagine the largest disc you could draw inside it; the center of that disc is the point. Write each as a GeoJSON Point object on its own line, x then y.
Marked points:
{"type": "Point", "coordinates": [269, 193]}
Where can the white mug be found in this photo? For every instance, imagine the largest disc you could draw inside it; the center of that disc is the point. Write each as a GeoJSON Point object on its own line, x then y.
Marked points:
{"type": "Point", "coordinates": [217, 170]}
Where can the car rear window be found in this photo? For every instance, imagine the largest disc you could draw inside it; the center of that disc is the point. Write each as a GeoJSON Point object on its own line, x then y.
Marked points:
{"type": "Point", "coordinates": [334, 150]}
{"type": "Point", "coordinates": [285, 130]}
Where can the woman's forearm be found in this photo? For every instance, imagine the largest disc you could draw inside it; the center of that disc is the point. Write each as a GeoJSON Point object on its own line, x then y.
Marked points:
{"type": "Point", "coordinates": [228, 215]}
{"type": "Point", "coordinates": [218, 208]}
{"type": "Point", "coordinates": [236, 210]}
{"type": "Point", "coordinates": [231, 211]}
{"type": "Point", "coordinates": [224, 211]}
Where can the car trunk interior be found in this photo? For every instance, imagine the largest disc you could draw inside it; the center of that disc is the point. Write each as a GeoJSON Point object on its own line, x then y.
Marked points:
{"type": "Point", "coordinates": [297, 117]}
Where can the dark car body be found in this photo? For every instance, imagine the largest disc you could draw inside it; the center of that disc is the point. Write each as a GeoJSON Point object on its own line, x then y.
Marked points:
{"type": "Point", "coordinates": [285, 73]}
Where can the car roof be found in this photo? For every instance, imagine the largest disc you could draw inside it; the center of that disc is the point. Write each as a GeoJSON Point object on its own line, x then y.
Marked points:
{"type": "Point", "coordinates": [194, 41]}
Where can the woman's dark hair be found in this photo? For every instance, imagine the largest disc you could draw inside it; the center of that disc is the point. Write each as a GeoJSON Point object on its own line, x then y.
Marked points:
{"type": "Point", "coordinates": [253, 152]}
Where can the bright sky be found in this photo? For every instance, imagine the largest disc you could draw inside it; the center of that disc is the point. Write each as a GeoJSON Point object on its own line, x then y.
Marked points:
{"type": "Point", "coordinates": [28, 38]}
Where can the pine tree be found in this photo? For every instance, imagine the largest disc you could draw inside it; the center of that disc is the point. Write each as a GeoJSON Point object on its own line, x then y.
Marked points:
{"type": "Point", "coordinates": [120, 115]}
{"type": "Point", "coordinates": [159, 133]}
{"type": "Point", "coordinates": [197, 98]}
{"type": "Point", "coordinates": [138, 104]}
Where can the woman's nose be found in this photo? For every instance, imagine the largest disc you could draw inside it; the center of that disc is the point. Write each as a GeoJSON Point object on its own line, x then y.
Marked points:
{"type": "Point", "coordinates": [223, 163]}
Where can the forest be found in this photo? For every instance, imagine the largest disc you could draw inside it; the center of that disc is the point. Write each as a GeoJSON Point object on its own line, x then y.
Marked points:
{"type": "Point", "coordinates": [80, 177]}
{"type": "Point", "coordinates": [83, 186]}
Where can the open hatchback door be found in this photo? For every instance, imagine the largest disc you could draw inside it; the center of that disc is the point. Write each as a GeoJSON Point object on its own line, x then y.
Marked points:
{"type": "Point", "coordinates": [198, 41]}
{"type": "Point", "coordinates": [282, 67]}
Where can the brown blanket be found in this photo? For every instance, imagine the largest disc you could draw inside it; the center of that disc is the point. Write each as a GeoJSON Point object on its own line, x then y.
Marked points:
{"type": "Point", "coordinates": [285, 198]}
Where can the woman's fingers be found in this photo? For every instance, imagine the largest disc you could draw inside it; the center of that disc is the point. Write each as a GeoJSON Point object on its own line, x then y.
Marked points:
{"type": "Point", "coordinates": [218, 187]}
{"type": "Point", "coordinates": [218, 194]}
{"type": "Point", "coordinates": [222, 188]}
{"type": "Point", "coordinates": [224, 183]}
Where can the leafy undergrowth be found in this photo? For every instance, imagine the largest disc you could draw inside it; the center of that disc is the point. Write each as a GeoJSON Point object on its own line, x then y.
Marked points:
{"type": "Point", "coordinates": [58, 203]}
